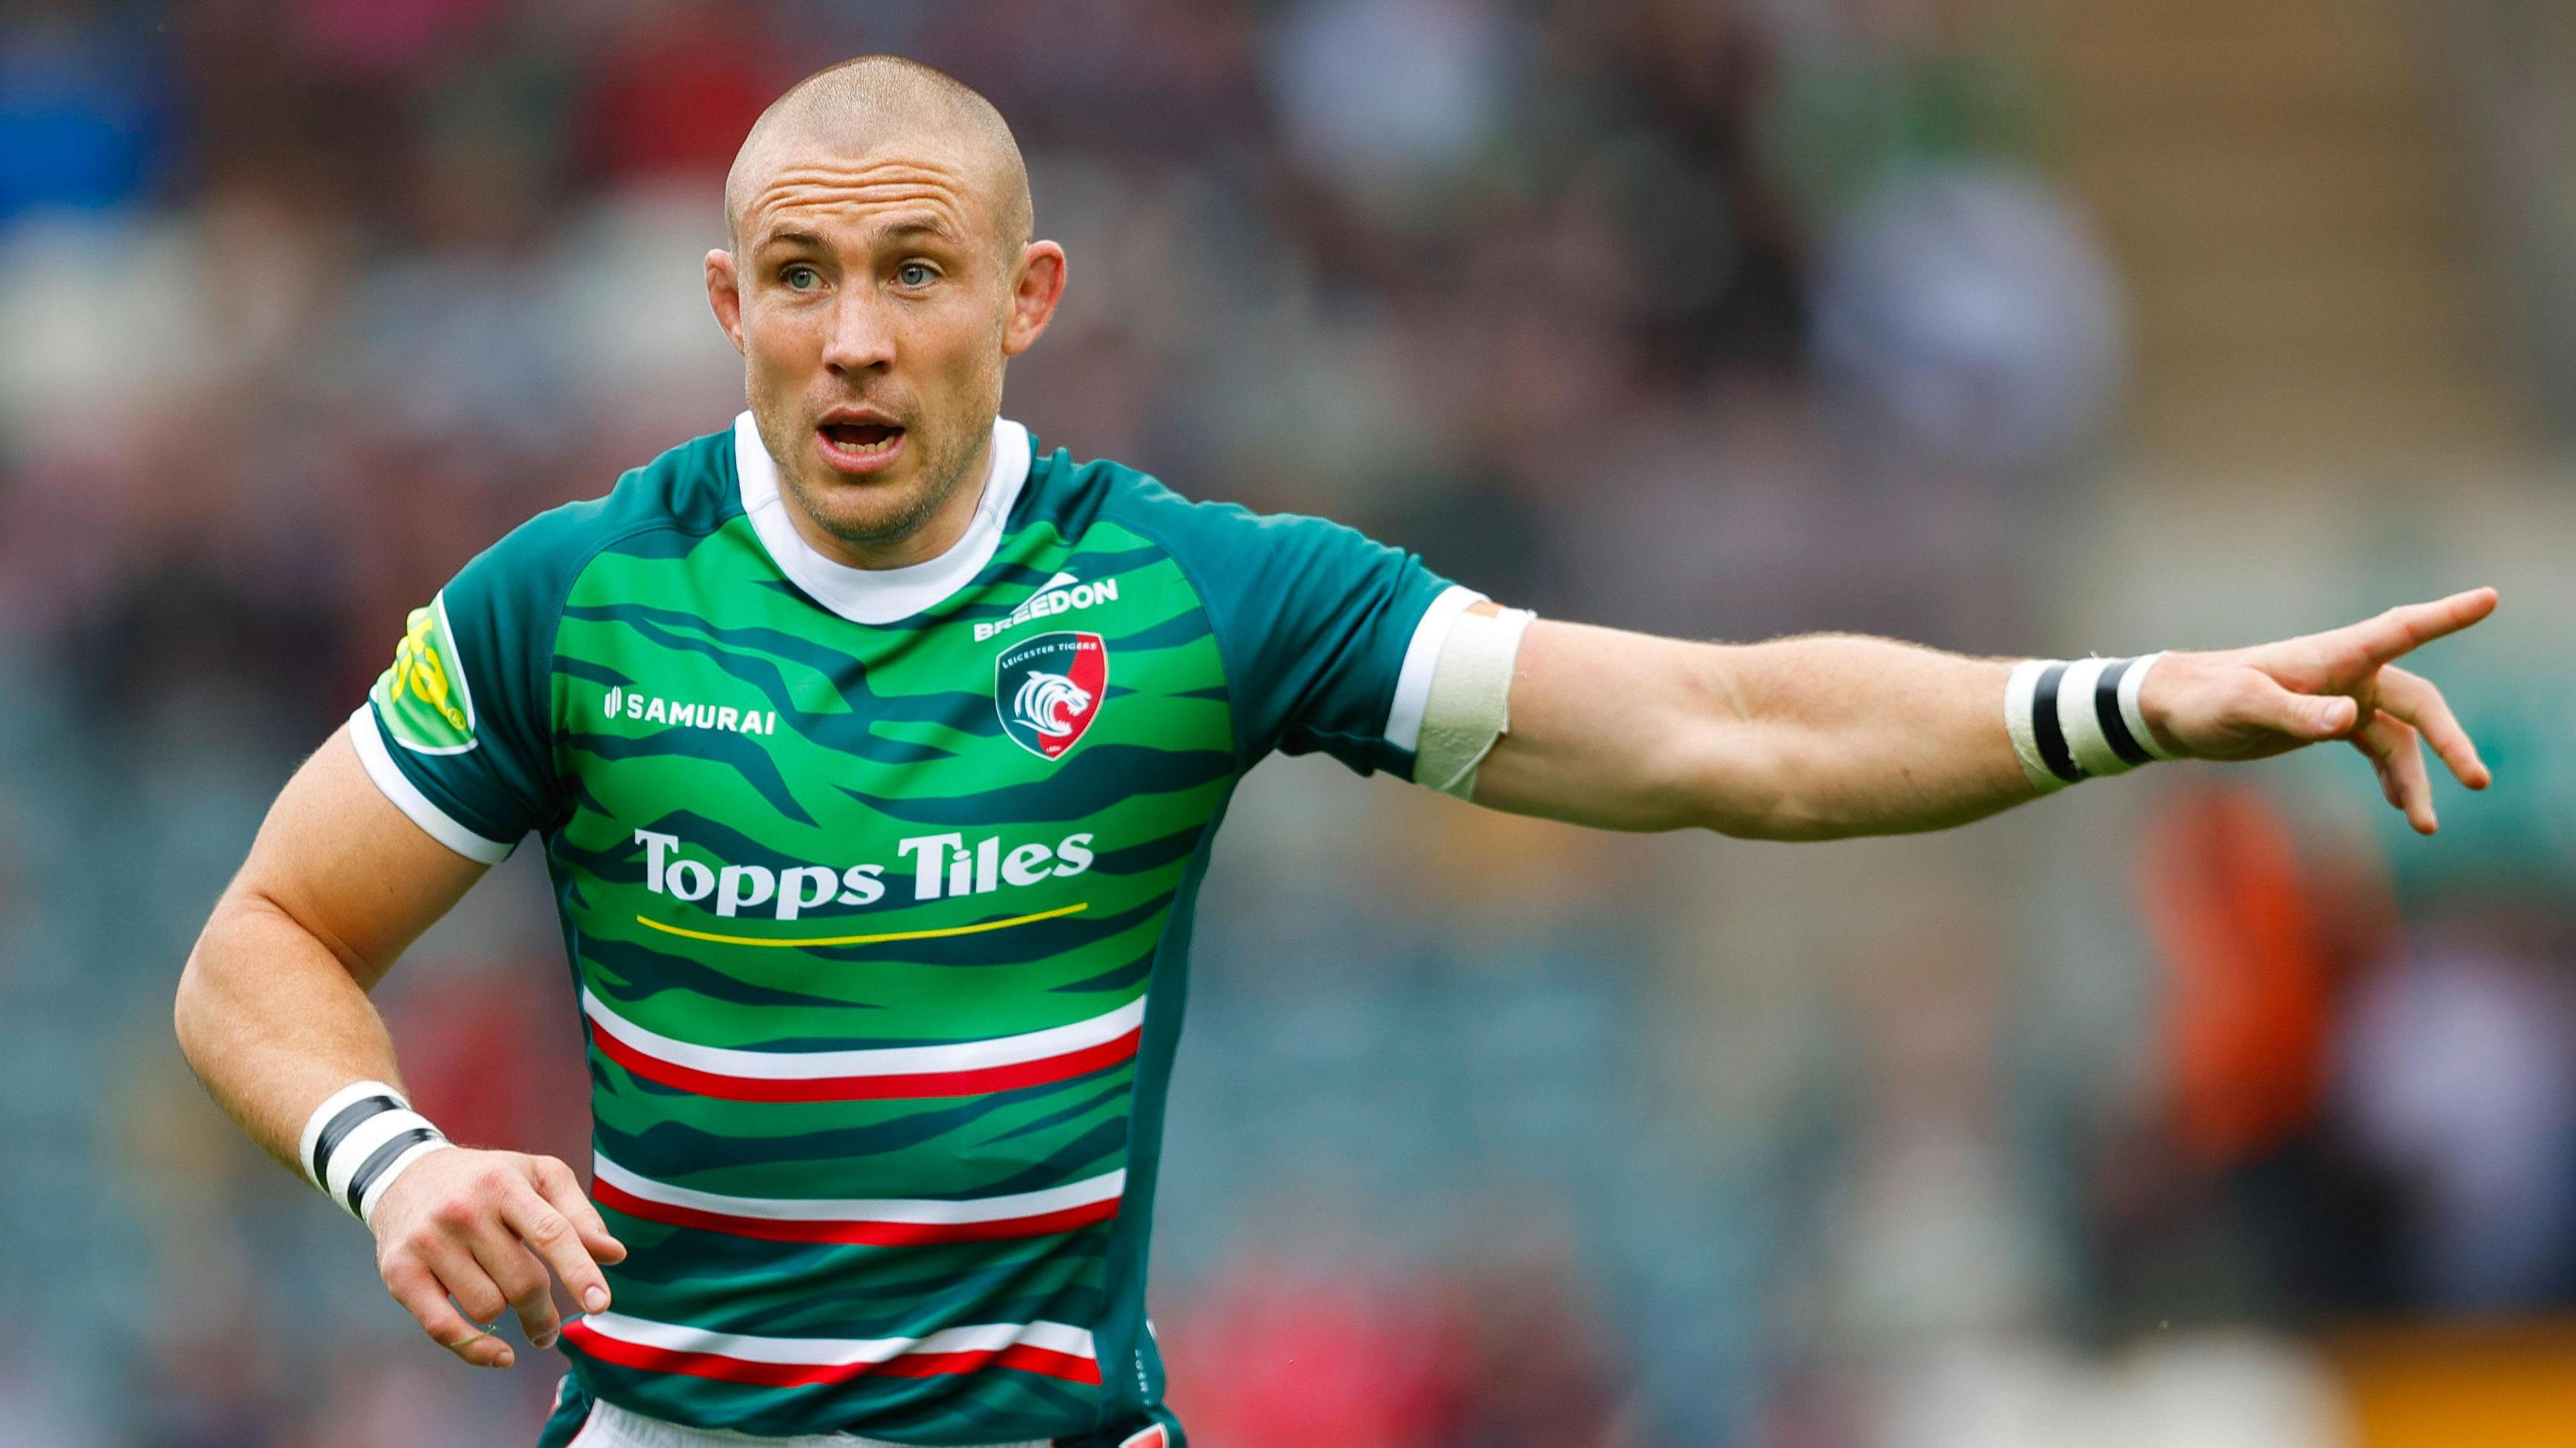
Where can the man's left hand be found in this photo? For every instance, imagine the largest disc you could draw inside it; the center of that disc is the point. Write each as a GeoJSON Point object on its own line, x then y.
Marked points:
{"type": "Point", "coordinates": [2341, 684]}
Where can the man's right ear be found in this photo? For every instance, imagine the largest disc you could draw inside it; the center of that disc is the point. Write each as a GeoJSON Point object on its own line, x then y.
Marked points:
{"type": "Point", "coordinates": [724, 293]}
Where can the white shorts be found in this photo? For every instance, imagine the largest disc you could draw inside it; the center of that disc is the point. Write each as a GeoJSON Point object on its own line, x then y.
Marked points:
{"type": "Point", "coordinates": [610, 1426]}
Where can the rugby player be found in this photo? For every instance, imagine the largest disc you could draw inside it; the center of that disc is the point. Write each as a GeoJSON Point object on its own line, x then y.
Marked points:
{"type": "Point", "coordinates": [876, 754]}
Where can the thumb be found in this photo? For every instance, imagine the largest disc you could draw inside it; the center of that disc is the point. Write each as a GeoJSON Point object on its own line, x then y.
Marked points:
{"type": "Point", "coordinates": [2310, 717]}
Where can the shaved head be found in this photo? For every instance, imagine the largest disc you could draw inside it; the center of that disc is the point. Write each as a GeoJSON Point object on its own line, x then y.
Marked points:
{"type": "Point", "coordinates": [878, 277]}
{"type": "Point", "coordinates": [863, 104]}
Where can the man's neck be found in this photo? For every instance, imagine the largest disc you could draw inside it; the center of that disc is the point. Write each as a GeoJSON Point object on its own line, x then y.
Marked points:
{"type": "Point", "coordinates": [935, 534]}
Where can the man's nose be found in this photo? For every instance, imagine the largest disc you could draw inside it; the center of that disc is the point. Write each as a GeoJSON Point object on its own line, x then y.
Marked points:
{"type": "Point", "coordinates": [862, 335]}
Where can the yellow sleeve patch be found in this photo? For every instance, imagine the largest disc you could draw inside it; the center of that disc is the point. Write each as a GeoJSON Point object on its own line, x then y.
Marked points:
{"type": "Point", "coordinates": [423, 699]}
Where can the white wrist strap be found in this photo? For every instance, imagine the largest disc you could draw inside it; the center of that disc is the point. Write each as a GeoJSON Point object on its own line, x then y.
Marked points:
{"type": "Point", "coordinates": [2073, 720]}
{"type": "Point", "coordinates": [359, 1139]}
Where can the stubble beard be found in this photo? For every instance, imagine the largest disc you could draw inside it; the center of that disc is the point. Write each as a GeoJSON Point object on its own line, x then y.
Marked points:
{"type": "Point", "coordinates": [938, 483]}
{"type": "Point", "coordinates": [908, 519]}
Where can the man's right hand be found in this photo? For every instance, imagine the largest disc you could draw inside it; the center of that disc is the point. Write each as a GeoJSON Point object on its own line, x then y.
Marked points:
{"type": "Point", "coordinates": [483, 1227]}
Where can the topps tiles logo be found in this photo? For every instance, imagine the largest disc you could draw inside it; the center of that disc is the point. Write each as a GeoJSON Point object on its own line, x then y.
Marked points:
{"type": "Point", "coordinates": [939, 866]}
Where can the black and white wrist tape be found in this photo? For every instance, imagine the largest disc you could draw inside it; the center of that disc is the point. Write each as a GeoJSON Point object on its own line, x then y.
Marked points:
{"type": "Point", "coordinates": [359, 1139]}
{"type": "Point", "coordinates": [2073, 719]}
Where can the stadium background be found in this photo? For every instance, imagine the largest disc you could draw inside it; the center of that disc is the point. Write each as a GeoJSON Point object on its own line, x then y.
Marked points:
{"type": "Point", "coordinates": [2197, 1108]}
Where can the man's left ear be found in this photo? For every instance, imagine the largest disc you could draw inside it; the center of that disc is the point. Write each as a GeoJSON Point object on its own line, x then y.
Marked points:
{"type": "Point", "coordinates": [1038, 286]}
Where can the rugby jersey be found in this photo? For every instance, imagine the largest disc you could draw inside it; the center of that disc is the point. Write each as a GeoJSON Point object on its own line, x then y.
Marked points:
{"type": "Point", "coordinates": [876, 890]}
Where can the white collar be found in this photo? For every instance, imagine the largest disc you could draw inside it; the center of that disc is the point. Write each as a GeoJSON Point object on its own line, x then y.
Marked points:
{"type": "Point", "coordinates": [879, 595]}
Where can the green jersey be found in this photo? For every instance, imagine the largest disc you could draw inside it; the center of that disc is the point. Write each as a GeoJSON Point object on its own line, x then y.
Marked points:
{"type": "Point", "coordinates": [876, 887]}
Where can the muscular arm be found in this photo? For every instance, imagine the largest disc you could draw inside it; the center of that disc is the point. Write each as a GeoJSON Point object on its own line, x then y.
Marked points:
{"type": "Point", "coordinates": [1833, 735]}
{"type": "Point", "coordinates": [1802, 738]}
{"type": "Point", "coordinates": [273, 1010]}
{"type": "Point", "coordinates": [273, 1015]}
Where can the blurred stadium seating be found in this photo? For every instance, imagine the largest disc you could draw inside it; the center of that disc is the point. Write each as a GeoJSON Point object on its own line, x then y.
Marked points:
{"type": "Point", "coordinates": [2189, 1110]}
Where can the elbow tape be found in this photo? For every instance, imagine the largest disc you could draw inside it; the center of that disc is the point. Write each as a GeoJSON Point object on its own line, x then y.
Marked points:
{"type": "Point", "coordinates": [359, 1139]}
{"type": "Point", "coordinates": [1470, 701]}
{"type": "Point", "coordinates": [2074, 719]}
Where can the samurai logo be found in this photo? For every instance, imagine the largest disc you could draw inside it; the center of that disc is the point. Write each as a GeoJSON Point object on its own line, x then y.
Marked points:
{"type": "Point", "coordinates": [1048, 690]}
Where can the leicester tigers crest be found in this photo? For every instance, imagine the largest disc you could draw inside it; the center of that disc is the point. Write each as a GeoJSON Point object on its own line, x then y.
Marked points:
{"type": "Point", "coordinates": [1049, 689]}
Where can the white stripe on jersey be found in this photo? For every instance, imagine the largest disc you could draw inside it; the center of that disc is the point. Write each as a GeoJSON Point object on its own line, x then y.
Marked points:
{"type": "Point", "coordinates": [610, 1426]}
{"type": "Point", "coordinates": [924, 1210]}
{"type": "Point", "coordinates": [837, 1351]}
{"type": "Point", "coordinates": [884, 1061]}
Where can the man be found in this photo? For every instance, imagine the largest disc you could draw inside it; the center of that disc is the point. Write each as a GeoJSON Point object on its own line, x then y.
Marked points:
{"type": "Point", "coordinates": [877, 756]}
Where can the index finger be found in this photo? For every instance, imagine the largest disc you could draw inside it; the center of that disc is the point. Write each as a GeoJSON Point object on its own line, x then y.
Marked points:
{"type": "Point", "coordinates": [546, 1230]}
{"type": "Point", "coordinates": [557, 1184]}
{"type": "Point", "coordinates": [2413, 625]}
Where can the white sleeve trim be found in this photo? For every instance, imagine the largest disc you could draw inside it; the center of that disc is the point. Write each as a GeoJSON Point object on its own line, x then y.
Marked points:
{"type": "Point", "coordinates": [370, 742]}
{"type": "Point", "coordinates": [1421, 659]}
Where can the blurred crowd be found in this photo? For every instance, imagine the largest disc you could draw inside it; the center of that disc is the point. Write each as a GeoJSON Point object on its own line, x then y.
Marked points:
{"type": "Point", "coordinates": [1717, 319]}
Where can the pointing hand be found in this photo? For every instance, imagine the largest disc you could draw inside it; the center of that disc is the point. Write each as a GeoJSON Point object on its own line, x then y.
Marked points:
{"type": "Point", "coordinates": [2344, 683]}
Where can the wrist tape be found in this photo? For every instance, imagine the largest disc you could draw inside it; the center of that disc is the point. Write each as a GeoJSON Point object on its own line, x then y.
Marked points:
{"type": "Point", "coordinates": [359, 1139]}
{"type": "Point", "coordinates": [2073, 719]}
{"type": "Point", "coordinates": [1469, 706]}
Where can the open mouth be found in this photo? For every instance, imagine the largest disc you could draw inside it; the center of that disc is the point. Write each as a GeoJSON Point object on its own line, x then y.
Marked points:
{"type": "Point", "coordinates": [859, 445]}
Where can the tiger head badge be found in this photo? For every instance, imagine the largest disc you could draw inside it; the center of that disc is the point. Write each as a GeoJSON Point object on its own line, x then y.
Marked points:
{"type": "Point", "coordinates": [1048, 690]}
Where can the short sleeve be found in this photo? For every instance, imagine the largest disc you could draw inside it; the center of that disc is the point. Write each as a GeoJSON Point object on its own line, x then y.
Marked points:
{"type": "Point", "coordinates": [457, 731]}
{"type": "Point", "coordinates": [1329, 636]}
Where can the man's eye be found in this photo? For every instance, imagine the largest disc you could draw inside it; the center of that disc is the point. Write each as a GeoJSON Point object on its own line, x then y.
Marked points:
{"type": "Point", "coordinates": [915, 274]}
{"type": "Point", "coordinates": [801, 277]}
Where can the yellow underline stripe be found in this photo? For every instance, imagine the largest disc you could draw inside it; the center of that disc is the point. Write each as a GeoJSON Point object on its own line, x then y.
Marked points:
{"type": "Point", "coordinates": [1075, 909]}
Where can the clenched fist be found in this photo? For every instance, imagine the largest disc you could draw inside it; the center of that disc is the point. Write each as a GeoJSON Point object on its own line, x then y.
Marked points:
{"type": "Point", "coordinates": [483, 1227]}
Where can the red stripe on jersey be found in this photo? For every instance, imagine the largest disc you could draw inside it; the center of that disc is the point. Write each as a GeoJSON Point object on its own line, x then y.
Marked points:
{"type": "Point", "coordinates": [1018, 1355]}
{"type": "Point", "coordinates": [973, 1082]}
{"type": "Point", "coordinates": [1021, 1356]}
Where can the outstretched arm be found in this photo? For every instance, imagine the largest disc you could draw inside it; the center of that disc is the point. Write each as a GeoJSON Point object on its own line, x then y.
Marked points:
{"type": "Point", "coordinates": [273, 1015]}
{"type": "Point", "coordinates": [1827, 736]}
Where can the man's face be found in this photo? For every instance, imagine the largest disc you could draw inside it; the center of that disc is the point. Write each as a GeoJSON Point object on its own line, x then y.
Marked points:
{"type": "Point", "coordinates": [875, 300]}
